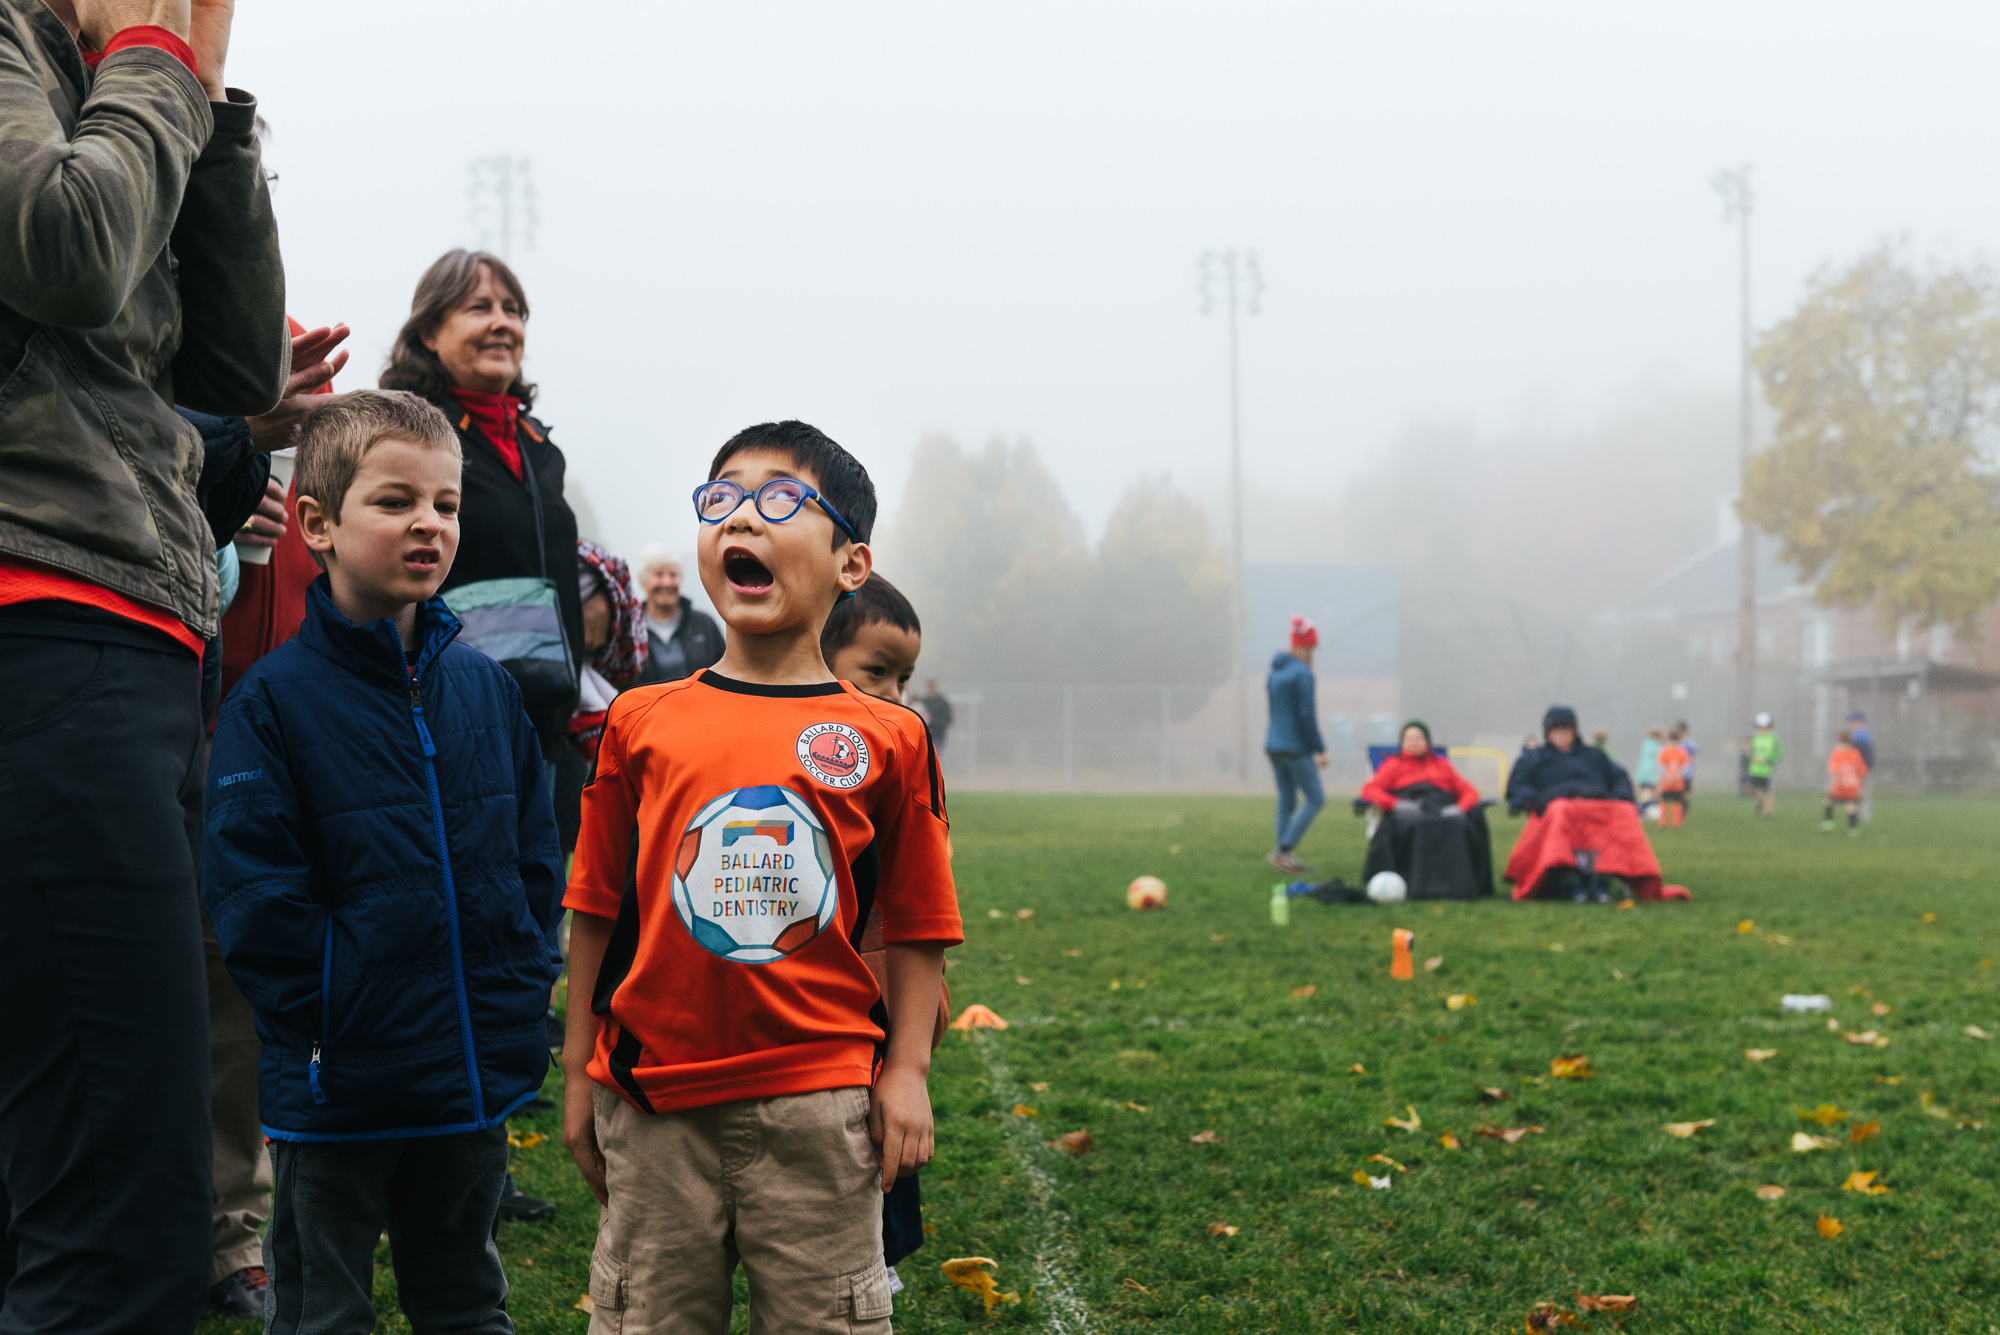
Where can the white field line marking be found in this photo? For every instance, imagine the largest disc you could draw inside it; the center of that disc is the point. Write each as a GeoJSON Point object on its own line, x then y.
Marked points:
{"type": "Point", "coordinates": [1055, 1257]}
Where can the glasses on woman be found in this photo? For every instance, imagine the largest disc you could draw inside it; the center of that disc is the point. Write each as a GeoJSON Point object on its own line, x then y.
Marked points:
{"type": "Point", "coordinates": [777, 500]}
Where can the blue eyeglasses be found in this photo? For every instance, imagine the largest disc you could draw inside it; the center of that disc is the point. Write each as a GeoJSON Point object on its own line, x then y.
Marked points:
{"type": "Point", "coordinates": [777, 500]}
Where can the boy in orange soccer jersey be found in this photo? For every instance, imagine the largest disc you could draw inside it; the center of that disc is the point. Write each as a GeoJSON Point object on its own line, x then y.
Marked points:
{"type": "Point", "coordinates": [1674, 763]}
{"type": "Point", "coordinates": [1845, 773]}
{"type": "Point", "coordinates": [730, 1095]}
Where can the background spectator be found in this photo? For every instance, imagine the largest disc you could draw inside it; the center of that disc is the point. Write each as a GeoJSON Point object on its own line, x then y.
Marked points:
{"type": "Point", "coordinates": [680, 641]}
{"type": "Point", "coordinates": [462, 349]}
{"type": "Point", "coordinates": [936, 710]}
{"type": "Point", "coordinates": [1293, 743]}
{"type": "Point", "coordinates": [137, 223]}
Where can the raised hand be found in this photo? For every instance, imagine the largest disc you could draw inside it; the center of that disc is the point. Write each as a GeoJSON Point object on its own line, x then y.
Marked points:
{"type": "Point", "coordinates": [207, 35]}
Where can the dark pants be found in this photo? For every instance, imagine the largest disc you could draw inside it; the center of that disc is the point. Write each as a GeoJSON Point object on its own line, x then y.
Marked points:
{"type": "Point", "coordinates": [438, 1197]}
{"type": "Point", "coordinates": [104, 1135]}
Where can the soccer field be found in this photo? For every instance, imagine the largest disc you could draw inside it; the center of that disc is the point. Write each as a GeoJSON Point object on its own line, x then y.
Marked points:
{"type": "Point", "coordinates": [1147, 1030]}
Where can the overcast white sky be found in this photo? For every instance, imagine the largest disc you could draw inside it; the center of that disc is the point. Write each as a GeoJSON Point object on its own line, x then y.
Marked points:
{"type": "Point", "coordinates": [984, 218]}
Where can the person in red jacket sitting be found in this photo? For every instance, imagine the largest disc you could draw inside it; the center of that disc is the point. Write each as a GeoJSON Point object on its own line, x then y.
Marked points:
{"type": "Point", "coordinates": [1417, 763]}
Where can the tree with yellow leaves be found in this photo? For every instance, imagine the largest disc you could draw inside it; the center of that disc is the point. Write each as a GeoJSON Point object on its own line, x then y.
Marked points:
{"type": "Point", "coordinates": [1882, 483]}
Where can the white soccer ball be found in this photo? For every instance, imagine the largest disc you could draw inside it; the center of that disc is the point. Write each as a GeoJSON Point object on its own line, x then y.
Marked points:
{"type": "Point", "coordinates": [1146, 892]}
{"type": "Point", "coordinates": [753, 877]}
{"type": "Point", "coordinates": [1386, 887]}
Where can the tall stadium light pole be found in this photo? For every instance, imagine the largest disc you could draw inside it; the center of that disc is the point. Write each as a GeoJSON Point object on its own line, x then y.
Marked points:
{"type": "Point", "coordinates": [500, 193]}
{"type": "Point", "coordinates": [1734, 187]}
{"type": "Point", "coordinates": [1242, 283]}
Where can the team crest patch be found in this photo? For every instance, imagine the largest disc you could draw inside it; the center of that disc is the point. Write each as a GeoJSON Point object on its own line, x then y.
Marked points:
{"type": "Point", "coordinates": [753, 879]}
{"type": "Point", "coordinates": [834, 754]}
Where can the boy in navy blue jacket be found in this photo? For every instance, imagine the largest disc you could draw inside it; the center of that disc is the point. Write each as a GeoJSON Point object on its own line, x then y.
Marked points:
{"type": "Point", "coordinates": [381, 863]}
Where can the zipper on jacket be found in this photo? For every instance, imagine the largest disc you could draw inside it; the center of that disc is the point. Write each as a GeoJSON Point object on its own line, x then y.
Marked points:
{"type": "Point", "coordinates": [325, 1015]}
{"type": "Point", "coordinates": [450, 903]}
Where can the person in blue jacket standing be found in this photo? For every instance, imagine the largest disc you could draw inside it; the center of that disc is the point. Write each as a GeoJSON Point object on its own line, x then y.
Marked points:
{"type": "Point", "coordinates": [1293, 744]}
{"type": "Point", "coordinates": [381, 863]}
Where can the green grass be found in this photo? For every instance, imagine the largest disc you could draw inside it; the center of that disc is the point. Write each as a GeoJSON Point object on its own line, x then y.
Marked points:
{"type": "Point", "coordinates": [1191, 1014]}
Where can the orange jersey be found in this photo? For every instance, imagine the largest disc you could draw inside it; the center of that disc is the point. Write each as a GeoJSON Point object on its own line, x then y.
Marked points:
{"type": "Point", "coordinates": [736, 834]}
{"type": "Point", "coordinates": [1674, 763]}
{"type": "Point", "coordinates": [1845, 769]}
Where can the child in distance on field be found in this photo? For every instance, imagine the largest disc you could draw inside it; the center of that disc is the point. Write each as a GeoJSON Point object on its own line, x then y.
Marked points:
{"type": "Point", "coordinates": [731, 1091]}
{"type": "Point", "coordinates": [873, 640]}
{"type": "Point", "coordinates": [1673, 765]}
{"type": "Point", "coordinates": [381, 864]}
{"type": "Point", "coordinates": [1646, 774]}
{"type": "Point", "coordinates": [1765, 753]}
{"type": "Point", "coordinates": [1846, 771]}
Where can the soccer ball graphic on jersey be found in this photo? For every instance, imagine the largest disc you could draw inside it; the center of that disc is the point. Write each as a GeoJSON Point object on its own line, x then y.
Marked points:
{"type": "Point", "coordinates": [753, 879]}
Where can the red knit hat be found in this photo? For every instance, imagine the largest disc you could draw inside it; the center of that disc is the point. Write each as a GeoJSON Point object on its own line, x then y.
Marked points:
{"type": "Point", "coordinates": [1304, 635]}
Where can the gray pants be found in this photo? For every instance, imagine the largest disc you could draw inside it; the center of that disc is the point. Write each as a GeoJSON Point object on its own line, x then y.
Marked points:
{"type": "Point", "coordinates": [438, 1196]}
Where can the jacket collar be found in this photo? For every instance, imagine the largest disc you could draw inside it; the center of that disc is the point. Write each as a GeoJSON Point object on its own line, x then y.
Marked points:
{"type": "Point", "coordinates": [373, 650]}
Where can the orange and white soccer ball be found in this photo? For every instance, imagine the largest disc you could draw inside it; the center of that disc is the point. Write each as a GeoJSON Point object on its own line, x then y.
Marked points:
{"type": "Point", "coordinates": [1146, 892]}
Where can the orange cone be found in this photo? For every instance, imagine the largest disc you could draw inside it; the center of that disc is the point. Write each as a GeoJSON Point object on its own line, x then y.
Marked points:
{"type": "Point", "coordinates": [1400, 965]}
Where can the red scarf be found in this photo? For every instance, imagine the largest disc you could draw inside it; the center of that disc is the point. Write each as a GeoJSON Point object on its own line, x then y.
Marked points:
{"type": "Point", "coordinates": [498, 417]}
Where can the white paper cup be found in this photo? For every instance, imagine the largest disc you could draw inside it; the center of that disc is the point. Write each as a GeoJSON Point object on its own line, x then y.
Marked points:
{"type": "Point", "coordinates": [282, 464]}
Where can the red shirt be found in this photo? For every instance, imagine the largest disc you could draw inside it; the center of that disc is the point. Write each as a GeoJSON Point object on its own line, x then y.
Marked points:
{"type": "Point", "coordinates": [1845, 769]}
{"type": "Point", "coordinates": [25, 581]}
{"type": "Point", "coordinates": [1400, 771]}
{"type": "Point", "coordinates": [1674, 763]}
{"type": "Point", "coordinates": [725, 832]}
{"type": "Point", "coordinates": [498, 418]}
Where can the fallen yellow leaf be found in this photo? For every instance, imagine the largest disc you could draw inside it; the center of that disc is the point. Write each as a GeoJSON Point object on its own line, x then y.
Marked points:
{"type": "Point", "coordinates": [1974, 1031]}
{"type": "Point", "coordinates": [527, 1142]}
{"type": "Point", "coordinates": [1628, 904]}
{"type": "Point", "coordinates": [1493, 1094]}
{"type": "Point", "coordinates": [1930, 917]}
{"type": "Point", "coordinates": [1039, 1086]}
{"type": "Point", "coordinates": [1218, 937]}
{"type": "Point", "coordinates": [1607, 1302]}
{"type": "Point", "coordinates": [1357, 1069]}
{"type": "Point", "coordinates": [1829, 1227]}
{"type": "Point", "coordinates": [1137, 1107]}
{"type": "Point", "coordinates": [1826, 1114]}
{"type": "Point", "coordinates": [1770, 1193]}
{"type": "Point", "coordinates": [1932, 1107]}
{"type": "Point", "coordinates": [584, 1304]}
{"type": "Point", "coordinates": [1361, 1178]}
{"type": "Point", "coordinates": [1458, 1001]}
{"type": "Point", "coordinates": [1305, 990]}
{"type": "Point", "coordinates": [1881, 1008]}
{"type": "Point", "coordinates": [967, 1273]}
{"type": "Point", "coordinates": [1759, 1054]}
{"type": "Point", "coordinates": [1202, 1138]}
{"type": "Point", "coordinates": [1131, 1283]}
{"type": "Point", "coordinates": [977, 1017]}
{"type": "Point", "coordinates": [1383, 1158]}
{"type": "Point", "coordinates": [1864, 1131]}
{"type": "Point", "coordinates": [1221, 1229]}
{"type": "Point", "coordinates": [1867, 1039]}
{"type": "Point", "coordinates": [1805, 1144]}
{"type": "Point", "coordinates": [1832, 1025]}
{"type": "Point", "coordinates": [1023, 1110]}
{"type": "Point", "coordinates": [1549, 1317]}
{"type": "Point", "coordinates": [1019, 981]}
{"type": "Point", "coordinates": [1746, 927]}
{"type": "Point", "coordinates": [1778, 939]}
{"type": "Point", "coordinates": [1686, 1130]}
{"type": "Point", "coordinates": [1864, 1183]}
{"type": "Point", "coordinates": [1025, 915]}
{"type": "Point", "coordinates": [1434, 962]}
{"type": "Point", "coordinates": [1510, 1134]}
{"type": "Point", "coordinates": [1412, 1124]}
{"type": "Point", "coordinates": [1558, 947]}
{"type": "Point", "coordinates": [1449, 1141]}
{"type": "Point", "coordinates": [1572, 1066]}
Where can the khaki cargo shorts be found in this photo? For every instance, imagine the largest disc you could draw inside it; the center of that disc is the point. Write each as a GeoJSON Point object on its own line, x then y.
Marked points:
{"type": "Point", "coordinates": [790, 1186]}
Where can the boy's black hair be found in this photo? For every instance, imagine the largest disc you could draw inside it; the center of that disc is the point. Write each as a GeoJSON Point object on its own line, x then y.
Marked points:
{"type": "Point", "coordinates": [841, 479]}
{"type": "Point", "coordinates": [877, 600]}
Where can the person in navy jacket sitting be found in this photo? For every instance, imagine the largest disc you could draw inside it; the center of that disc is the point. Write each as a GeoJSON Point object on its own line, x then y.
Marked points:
{"type": "Point", "coordinates": [381, 864]}
{"type": "Point", "coordinates": [1561, 768]}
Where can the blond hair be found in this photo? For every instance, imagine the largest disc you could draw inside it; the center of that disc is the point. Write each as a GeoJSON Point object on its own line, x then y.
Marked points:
{"type": "Point", "coordinates": [339, 434]}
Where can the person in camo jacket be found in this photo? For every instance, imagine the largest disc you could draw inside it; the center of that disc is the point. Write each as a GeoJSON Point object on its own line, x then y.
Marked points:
{"type": "Point", "coordinates": [139, 267]}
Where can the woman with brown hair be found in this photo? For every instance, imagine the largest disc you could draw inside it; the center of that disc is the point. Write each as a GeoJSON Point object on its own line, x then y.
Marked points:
{"type": "Point", "coordinates": [514, 582]}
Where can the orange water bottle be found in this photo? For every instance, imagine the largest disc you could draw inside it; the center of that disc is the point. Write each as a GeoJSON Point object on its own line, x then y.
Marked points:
{"type": "Point", "coordinates": [1400, 965]}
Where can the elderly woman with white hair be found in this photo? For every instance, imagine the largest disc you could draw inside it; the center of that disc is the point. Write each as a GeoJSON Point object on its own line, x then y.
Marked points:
{"type": "Point", "coordinates": [680, 641]}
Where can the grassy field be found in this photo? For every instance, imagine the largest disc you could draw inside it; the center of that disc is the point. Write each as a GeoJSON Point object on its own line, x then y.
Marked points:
{"type": "Point", "coordinates": [1148, 1029]}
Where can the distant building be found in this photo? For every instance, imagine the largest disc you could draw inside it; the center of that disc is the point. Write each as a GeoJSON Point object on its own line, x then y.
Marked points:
{"type": "Point", "coordinates": [1933, 705]}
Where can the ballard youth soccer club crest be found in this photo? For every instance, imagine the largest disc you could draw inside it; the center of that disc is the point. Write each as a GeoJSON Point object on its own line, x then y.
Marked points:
{"type": "Point", "coordinates": [753, 880]}
{"type": "Point", "coordinates": [834, 754]}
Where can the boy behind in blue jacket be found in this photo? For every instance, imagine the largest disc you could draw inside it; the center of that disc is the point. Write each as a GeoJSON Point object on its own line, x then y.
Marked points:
{"type": "Point", "coordinates": [381, 863]}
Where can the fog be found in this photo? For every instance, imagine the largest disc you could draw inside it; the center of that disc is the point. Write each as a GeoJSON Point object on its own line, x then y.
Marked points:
{"type": "Point", "coordinates": [1499, 288]}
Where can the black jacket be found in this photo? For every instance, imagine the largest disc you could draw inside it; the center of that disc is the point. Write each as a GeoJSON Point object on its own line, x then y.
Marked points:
{"type": "Point", "coordinates": [700, 640]}
{"type": "Point", "coordinates": [1544, 774]}
{"type": "Point", "coordinates": [497, 537]}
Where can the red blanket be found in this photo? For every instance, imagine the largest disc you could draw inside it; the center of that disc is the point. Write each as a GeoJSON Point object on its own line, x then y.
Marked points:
{"type": "Point", "coordinates": [1551, 839]}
